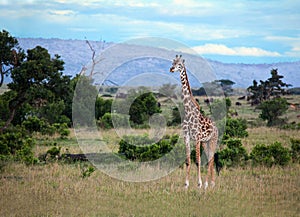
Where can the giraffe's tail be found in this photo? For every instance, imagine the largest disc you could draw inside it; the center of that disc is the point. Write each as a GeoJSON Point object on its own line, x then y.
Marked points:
{"type": "Point", "coordinates": [218, 163]}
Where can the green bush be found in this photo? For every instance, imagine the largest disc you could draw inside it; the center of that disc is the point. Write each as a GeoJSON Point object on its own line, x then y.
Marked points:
{"type": "Point", "coordinates": [236, 128]}
{"type": "Point", "coordinates": [62, 129]}
{"type": "Point", "coordinates": [16, 143]}
{"type": "Point", "coordinates": [176, 117]}
{"type": "Point", "coordinates": [271, 110]}
{"type": "Point", "coordinates": [141, 148]}
{"type": "Point", "coordinates": [87, 170]}
{"type": "Point", "coordinates": [102, 107]}
{"type": "Point", "coordinates": [142, 108]}
{"type": "Point", "coordinates": [291, 126]}
{"type": "Point", "coordinates": [48, 129]}
{"type": "Point", "coordinates": [33, 124]}
{"type": "Point", "coordinates": [25, 154]}
{"type": "Point", "coordinates": [12, 139]}
{"type": "Point", "coordinates": [234, 154]}
{"type": "Point", "coordinates": [295, 150]}
{"type": "Point", "coordinates": [274, 154]}
{"type": "Point", "coordinates": [54, 152]}
{"type": "Point", "coordinates": [108, 119]}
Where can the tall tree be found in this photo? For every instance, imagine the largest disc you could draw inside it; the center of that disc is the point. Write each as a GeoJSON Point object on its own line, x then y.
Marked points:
{"type": "Point", "coordinates": [273, 87]}
{"type": "Point", "coordinates": [271, 110]}
{"type": "Point", "coordinates": [11, 55]}
{"type": "Point", "coordinates": [36, 81]}
{"type": "Point", "coordinates": [226, 85]}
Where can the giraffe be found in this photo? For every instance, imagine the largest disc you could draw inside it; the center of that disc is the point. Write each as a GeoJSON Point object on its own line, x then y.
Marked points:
{"type": "Point", "coordinates": [197, 127]}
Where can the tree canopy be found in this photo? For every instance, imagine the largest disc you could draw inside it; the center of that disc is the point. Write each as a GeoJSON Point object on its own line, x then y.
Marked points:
{"type": "Point", "coordinates": [38, 81]}
{"type": "Point", "coordinates": [271, 88]}
{"type": "Point", "coordinates": [11, 55]}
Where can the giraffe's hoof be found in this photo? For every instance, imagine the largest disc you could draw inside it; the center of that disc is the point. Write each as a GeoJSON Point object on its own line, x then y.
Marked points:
{"type": "Point", "coordinates": [199, 185]}
{"type": "Point", "coordinates": [213, 184]}
{"type": "Point", "coordinates": [186, 185]}
{"type": "Point", "coordinates": [205, 185]}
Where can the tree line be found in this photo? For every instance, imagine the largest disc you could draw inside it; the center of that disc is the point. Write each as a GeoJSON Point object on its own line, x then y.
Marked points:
{"type": "Point", "coordinates": [40, 96]}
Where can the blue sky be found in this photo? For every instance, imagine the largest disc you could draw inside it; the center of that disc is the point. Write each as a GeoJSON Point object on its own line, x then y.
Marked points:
{"type": "Point", "coordinates": [228, 31]}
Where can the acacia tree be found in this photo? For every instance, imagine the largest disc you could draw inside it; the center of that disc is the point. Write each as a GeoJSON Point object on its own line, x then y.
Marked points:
{"type": "Point", "coordinates": [11, 55]}
{"type": "Point", "coordinates": [273, 87]}
{"type": "Point", "coordinates": [226, 85]}
{"type": "Point", "coordinates": [271, 110]}
{"type": "Point", "coordinates": [36, 81]}
{"type": "Point", "coordinates": [267, 95]}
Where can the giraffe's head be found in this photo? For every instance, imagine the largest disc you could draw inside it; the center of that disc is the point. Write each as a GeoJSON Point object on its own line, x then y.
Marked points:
{"type": "Point", "coordinates": [178, 64]}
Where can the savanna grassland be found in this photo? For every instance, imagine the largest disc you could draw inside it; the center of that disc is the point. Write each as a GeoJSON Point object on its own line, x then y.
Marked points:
{"type": "Point", "coordinates": [60, 189]}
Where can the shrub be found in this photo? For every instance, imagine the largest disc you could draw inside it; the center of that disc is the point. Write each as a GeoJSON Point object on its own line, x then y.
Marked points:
{"type": "Point", "coordinates": [291, 126]}
{"type": "Point", "coordinates": [33, 124]}
{"type": "Point", "coordinates": [102, 107]}
{"type": "Point", "coordinates": [271, 110]}
{"type": "Point", "coordinates": [141, 148]}
{"type": "Point", "coordinates": [295, 150]}
{"type": "Point", "coordinates": [176, 117]}
{"type": "Point", "coordinates": [12, 140]}
{"type": "Point", "coordinates": [62, 129]}
{"type": "Point", "coordinates": [143, 107]}
{"type": "Point", "coordinates": [109, 119]}
{"type": "Point", "coordinates": [236, 128]}
{"type": "Point", "coordinates": [54, 152]}
{"type": "Point", "coordinates": [48, 129]}
{"type": "Point", "coordinates": [234, 154]}
{"type": "Point", "coordinates": [260, 155]}
{"type": "Point", "coordinates": [274, 154]}
{"type": "Point", "coordinates": [16, 143]}
{"type": "Point", "coordinates": [25, 154]}
{"type": "Point", "coordinates": [86, 171]}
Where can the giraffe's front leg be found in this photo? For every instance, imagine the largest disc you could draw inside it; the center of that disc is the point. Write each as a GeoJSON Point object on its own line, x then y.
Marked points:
{"type": "Point", "coordinates": [198, 163]}
{"type": "Point", "coordinates": [188, 158]}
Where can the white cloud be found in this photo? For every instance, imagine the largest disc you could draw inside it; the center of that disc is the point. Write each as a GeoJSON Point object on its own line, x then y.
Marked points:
{"type": "Point", "coordinates": [62, 12]}
{"type": "Point", "coordinates": [112, 3]}
{"type": "Point", "coordinates": [221, 49]}
{"type": "Point", "coordinates": [192, 3]}
{"type": "Point", "coordinates": [292, 42]}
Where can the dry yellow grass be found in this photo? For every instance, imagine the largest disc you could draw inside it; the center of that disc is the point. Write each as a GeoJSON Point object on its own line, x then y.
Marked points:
{"type": "Point", "coordinates": [268, 135]}
{"type": "Point", "coordinates": [58, 190]}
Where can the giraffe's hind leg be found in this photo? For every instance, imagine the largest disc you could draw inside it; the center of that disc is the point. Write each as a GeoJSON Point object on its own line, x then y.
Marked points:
{"type": "Point", "coordinates": [211, 172]}
{"type": "Point", "coordinates": [188, 159]}
{"type": "Point", "coordinates": [210, 152]}
{"type": "Point", "coordinates": [198, 163]}
{"type": "Point", "coordinates": [214, 149]}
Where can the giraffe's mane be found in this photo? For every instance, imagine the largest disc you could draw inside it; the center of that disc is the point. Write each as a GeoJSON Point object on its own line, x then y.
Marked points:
{"type": "Point", "coordinates": [190, 91]}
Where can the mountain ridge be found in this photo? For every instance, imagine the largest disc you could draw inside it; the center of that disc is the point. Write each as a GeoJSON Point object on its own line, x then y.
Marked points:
{"type": "Point", "coordinates": [76, 54]}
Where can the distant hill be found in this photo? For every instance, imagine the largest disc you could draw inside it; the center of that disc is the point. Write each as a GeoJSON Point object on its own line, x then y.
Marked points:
{"type": "Point", "coordinates": [76, 54]}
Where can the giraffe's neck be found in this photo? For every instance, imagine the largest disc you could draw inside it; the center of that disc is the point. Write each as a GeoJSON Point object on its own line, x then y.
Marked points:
{"type": "Point", "coordinates": [185, 85]}
{"type": "Point", "coordinates": [186, 89]}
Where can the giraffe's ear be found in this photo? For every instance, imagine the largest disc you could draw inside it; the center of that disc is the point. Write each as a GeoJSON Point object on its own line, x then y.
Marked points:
{"type": "Point", "coordinates": [183, 60]}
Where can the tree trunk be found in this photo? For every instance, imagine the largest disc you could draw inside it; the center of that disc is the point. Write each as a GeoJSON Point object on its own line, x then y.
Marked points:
{"type": "Point", "coordinates": [2, 76]}
{"type": "Point", "coordinates": [7, 123]}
